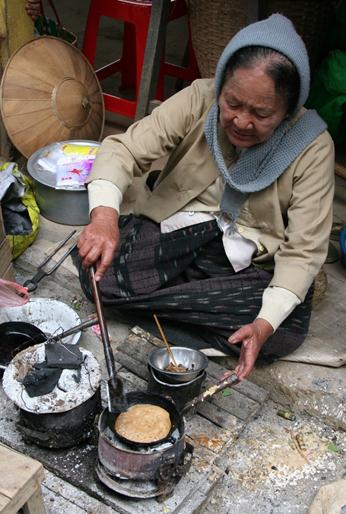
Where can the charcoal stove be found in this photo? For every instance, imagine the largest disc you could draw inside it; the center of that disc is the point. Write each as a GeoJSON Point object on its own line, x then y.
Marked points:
{"type": "Point", "coordinates": [65, 416]}
{"type": "Point", "coordinates": [146, 472]}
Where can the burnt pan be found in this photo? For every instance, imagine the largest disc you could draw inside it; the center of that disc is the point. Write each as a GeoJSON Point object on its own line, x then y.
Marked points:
{"type": "Point", "coordinates": [177, 418]}
{"type": "Point", "coordinates": [15, 336]}
{"type": "Point", "coordinates": [139, 397]}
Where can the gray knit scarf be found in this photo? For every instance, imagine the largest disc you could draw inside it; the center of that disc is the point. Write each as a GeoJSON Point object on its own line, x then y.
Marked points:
{"type": "Point", "coordinates": [260, 165]}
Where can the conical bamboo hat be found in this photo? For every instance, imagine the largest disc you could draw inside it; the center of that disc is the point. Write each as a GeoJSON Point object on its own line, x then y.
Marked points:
{"type": "Point", "coordinates": [49, 92]}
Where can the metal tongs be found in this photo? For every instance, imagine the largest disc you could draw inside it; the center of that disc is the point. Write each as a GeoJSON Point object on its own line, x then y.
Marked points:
{"type": "Point", "coordinates": [116, 398]}
{"type": "Point", "coordinates": [32, 283]}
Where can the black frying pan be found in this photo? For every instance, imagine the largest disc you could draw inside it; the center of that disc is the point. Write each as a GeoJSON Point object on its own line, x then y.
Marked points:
{"type": "Point", "coordinates": [139, 397]}
{"type": "Point", "coordinates": [177, 419]}
{"type": "Point", "coordinates": [15, 336]}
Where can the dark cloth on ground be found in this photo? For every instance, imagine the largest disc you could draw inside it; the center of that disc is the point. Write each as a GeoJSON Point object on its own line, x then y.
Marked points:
{"type": "Point", "coordinates": [186, 279]}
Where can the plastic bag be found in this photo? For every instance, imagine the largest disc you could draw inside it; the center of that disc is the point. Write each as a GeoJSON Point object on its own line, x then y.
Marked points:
{"type": "Point", "coordinates": [19, 208]}
{"type": "Point", "coordinates": [12, 294]}
{"type": "Point", "coordinates": [328, 94]}
{"type": "Point", "coordinates": [70, 163]}
{"type": "Point", "coordinates": [73, 175]}
{"type": "Point", "coordinates": [337, 38]}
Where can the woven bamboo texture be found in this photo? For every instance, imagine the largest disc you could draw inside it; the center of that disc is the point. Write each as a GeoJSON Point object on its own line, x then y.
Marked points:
{"type": "Point", "coordinates": [49, 92]}
{"type": "Point", "coordinates": [214, 23]}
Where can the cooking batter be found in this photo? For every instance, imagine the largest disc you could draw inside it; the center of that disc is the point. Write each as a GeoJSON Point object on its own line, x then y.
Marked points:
{"type": "Point", "coordinates": [143, 423]}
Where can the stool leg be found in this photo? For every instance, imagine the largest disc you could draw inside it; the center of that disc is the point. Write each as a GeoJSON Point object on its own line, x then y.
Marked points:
{"type": "Point", "coordinates": [128, 59]}
{"type": "Point", "coordinates": [152, 56]}
{"type": "Point", "coordinates": [91, 31]}
{"type": "Point", "coordinates": [35, 504]}
{"type": "Point", "coordinates": [192, 61]}
{"type": "Point", "coordinates": [142, 35]}
{"type": "Point", "coordinates": [160, 90]}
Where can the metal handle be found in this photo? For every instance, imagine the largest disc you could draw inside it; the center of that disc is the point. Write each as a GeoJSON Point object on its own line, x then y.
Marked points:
{"type": "Point", "coordinates": [103, 328]}
{"type": "Point", "coordinates": [85, 324]}
{"type": "Point", "coordinates": [229, 381]}
{"type": "Point", "coordinates": [117, 400]}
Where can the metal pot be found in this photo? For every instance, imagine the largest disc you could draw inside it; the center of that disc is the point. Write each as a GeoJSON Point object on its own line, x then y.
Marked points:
{"type": "Point", "coordinates": [194, 360]}
{"type": "Point", "coordinates": [180, 393]}
{"type": "Point", "coordinates": [62, 429]}
{"type": "Point", "coordinates": [63, 417]}
{"type": "Point", "coordinates": [66, 206]}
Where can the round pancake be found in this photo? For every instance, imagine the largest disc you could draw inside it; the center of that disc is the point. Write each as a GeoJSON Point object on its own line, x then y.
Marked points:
{"type": "Point", "coordinates": [143, 423]}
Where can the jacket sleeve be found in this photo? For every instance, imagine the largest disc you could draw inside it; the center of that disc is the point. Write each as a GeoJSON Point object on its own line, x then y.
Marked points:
{"type": "Point", "coordinates": [124, 156]}
{"type": "Point", "coordinates": [309, 219]}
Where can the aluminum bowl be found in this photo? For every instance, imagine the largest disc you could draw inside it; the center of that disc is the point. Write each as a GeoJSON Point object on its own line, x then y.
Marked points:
{"type": "Point", "coordinates": [194, 360]}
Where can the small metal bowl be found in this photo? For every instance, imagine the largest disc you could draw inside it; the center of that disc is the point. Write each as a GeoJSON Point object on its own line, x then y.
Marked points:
{"type": "Point", "coordinates": [194, 360]}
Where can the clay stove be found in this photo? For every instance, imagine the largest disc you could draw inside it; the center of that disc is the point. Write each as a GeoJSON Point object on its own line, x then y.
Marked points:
{"type": "Point", "coordinates": [145, 472]}
{"type": "Point", "coordinates": [65, 416]}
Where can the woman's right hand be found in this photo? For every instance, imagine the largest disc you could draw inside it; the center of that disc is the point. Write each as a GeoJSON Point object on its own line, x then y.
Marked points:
{"type": "Point", "coordinates": [99, 240]}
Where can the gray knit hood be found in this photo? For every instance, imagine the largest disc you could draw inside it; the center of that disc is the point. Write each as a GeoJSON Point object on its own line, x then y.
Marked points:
{"type": "Point", "coordinates": [260, 165]}
{"type": "Point", "coordinates": [278, 33]}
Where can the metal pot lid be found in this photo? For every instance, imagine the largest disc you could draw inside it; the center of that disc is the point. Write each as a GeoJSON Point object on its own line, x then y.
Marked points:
{"type": "Point", "coordinates": [65, 396]}
{"type": "Point", "coordinates": [44, 176]}
{"type": "Point", "coordinates": [50, 92]}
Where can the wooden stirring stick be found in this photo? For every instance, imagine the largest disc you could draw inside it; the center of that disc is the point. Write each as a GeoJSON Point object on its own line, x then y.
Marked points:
{"type": "Point", "coordinates": [169, 351]}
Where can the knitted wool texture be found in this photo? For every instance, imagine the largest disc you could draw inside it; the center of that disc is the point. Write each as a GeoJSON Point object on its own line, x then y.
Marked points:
{"type": "Point", "coordinates": [262, 164]}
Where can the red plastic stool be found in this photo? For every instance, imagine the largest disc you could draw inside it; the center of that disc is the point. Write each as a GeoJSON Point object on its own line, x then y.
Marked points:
{"type": "Point", "coordinates": [136, 17]}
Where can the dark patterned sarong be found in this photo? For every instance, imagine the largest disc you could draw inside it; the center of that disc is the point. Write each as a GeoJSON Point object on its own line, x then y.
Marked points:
{"type": "Point", "coordinates": [186, 279]}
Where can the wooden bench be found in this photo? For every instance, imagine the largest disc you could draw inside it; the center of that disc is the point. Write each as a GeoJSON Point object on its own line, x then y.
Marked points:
{"type": "Point", "coordinates": [20, 483]}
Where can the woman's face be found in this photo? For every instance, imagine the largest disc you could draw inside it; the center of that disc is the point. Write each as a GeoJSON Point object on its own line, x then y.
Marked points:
{"type": "Point", "coordinates": [250, 108]}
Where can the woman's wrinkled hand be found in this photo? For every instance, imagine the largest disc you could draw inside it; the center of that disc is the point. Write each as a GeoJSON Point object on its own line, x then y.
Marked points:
{"type": "Point", "coordinates": [252, 337]}
{"type": "Point", "coordinates": [99, 240]}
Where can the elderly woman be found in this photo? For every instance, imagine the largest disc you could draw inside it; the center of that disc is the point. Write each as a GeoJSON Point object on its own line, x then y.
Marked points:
{"type": "Point", "coordinates": [226, 245]}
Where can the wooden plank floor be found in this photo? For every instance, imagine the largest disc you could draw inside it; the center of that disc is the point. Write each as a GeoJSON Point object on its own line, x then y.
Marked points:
{"type": "Point", "coordinates": [212, 431]}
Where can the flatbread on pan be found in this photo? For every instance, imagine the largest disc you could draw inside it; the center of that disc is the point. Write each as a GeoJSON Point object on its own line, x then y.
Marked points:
{"type": "Point", "coordinates": [143, 423]}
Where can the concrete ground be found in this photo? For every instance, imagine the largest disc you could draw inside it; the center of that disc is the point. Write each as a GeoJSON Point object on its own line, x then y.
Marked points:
{"type": "Point", "coordinates": [276, 465]}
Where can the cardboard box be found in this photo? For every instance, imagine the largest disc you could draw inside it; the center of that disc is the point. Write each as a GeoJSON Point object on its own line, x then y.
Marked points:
{"type": "Point", "coordinates": [5, 258]}
{"type": "Point", "coordinates": [2, 229]}
{"type": "Point", "coordinates": [9, 274]}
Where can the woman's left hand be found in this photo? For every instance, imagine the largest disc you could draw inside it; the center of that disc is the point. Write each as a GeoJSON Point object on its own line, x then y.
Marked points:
{"type": "Point", "coordinates": [252, 337]}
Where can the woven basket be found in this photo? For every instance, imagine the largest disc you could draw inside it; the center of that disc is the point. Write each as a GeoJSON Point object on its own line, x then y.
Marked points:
{"type": "Point", "coordinates": [214, 23]}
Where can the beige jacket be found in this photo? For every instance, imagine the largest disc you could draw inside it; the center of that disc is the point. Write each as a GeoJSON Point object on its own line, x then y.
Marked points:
{"type": "Point", "coordinates": [294, 214]}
